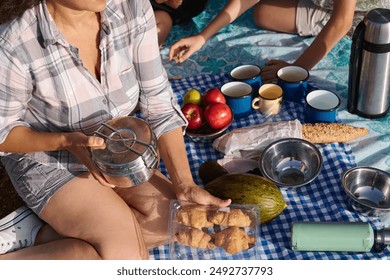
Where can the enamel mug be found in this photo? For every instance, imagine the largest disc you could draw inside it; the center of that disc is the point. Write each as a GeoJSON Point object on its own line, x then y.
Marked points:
{"type": "Point", "coordinates": [238, 96]}
{"type": "Point", "coordinates": [293, 80]}
{"type": "Point", "coordinates": [248, 73]}
{"type": "Point", "coordinates": [321, 106]}
{"type": "Point", "coordinates": [269, 101]}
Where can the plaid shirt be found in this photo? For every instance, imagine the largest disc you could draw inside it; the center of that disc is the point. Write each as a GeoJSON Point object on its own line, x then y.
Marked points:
{"type": "Point", "coordinates": [44, 85]}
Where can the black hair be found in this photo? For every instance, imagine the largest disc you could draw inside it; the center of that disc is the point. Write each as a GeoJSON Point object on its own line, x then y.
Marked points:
{"type": "Point", "coordinates": [10, 9]}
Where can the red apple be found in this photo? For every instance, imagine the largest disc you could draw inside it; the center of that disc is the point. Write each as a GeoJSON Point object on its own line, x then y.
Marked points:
{"type": "Point", "coordinates": [213, 95]}
{"type": "Point", "coordinates": [218, 115]}
{"type": "Point", "coordinates": [193, 114]}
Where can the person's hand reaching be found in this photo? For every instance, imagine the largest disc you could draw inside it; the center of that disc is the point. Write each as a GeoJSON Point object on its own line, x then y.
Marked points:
{"type": "Point", "coordinates": [185, 47]}
{"type": "Point", "coordinates": [270, 69]}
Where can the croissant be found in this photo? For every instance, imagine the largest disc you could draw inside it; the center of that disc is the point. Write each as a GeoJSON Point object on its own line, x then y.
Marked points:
{"type": "Point", "coordinates": [236, 218]}
{"type": "Point", "coordinates": [193, 216]}
{"type": "Point", "coordinates": [233, 240]}
{"type": "Point", "coordinates": [195, 238]}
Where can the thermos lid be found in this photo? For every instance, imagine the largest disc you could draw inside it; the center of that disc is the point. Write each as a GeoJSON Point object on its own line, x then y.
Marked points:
{"type": "Point", "coordinates": [377, 23]}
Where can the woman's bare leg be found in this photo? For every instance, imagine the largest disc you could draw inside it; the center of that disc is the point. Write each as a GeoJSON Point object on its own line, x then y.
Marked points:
{"type": "Point", "coordinates": [97, 224]}
{"type": "Point", "coordinates": [150, 202]}
{"type": "Point", "coordinates": [276, 15]}
{"type": "Point", "coordinates": [61, 249]}
{"type": "Point", "coordinates": [101, 223]}
{"type": "Point", "coordinates": [46, 234]}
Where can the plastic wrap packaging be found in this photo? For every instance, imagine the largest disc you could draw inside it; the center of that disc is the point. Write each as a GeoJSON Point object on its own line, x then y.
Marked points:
{"type": "Point", "coordinates": [243, 146]}
{"type": "Point", "coordinates": [206, 232]}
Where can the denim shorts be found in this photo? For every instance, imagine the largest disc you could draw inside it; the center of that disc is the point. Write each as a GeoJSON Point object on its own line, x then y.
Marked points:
{"type": "Point", "coordinates": [310, 18]}
{"type": "Point", "coordinates": [34, 182]}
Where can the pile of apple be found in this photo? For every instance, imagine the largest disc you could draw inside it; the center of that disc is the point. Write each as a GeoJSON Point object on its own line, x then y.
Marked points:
{"type": "Point", "coordinates": [209, 109]}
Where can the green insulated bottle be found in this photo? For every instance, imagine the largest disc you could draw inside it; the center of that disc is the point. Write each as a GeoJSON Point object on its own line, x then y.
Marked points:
{"type": "Point", "coordinates": [337, 237]}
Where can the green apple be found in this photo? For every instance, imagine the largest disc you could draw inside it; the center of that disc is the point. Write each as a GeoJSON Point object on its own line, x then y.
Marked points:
{"type": "Point", "coordinates": [192, 96]}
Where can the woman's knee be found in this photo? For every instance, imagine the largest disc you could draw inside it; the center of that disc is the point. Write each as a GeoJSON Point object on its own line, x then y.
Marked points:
{"type": "Point", "coordinates": [162, 17]}
{"type": "Point", "coordinates": [163, 20]}
{"type": "Point", "coordinates": [164, 25]}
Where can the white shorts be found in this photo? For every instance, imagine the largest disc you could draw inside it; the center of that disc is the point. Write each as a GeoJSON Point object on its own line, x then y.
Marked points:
{"type": "Point", "coordinates": [310, 18]}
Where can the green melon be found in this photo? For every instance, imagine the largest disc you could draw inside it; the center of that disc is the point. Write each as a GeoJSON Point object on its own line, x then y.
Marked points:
{"type": "Point", "coordinates": [249, 189]}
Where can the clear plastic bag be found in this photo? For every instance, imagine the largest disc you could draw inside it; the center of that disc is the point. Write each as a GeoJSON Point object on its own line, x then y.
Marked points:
{"type": "Point", "coordinates": [178, 226]}
{"type": "Point", "coordinates": [249, 142]}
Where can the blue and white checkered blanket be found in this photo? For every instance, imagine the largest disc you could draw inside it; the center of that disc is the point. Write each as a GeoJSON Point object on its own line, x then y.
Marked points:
{"type": "Point", "coordinates": [322, 200]}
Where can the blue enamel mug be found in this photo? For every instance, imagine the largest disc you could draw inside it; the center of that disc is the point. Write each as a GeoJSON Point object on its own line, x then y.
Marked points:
{"type": "Point", "coordinates": [248, 73]}
{"type": "Point", "coordinates": [238, 97]}
{"type": "Point", "coordinates": [321, 106]}
{"type": "Point", "coordinates": [293, 80]}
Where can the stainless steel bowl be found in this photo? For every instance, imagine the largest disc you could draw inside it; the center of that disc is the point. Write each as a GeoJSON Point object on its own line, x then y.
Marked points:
{"type": "Point", "coordinates": [290, 162]}
{"type": "Point", "coordinates": [206, 134]}
{"type": "Point", "coordinates": [367, 189]}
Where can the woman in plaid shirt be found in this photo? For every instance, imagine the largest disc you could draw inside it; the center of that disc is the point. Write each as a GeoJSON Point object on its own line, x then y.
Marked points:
{"type": "Point", "coordinates": [66, 66]}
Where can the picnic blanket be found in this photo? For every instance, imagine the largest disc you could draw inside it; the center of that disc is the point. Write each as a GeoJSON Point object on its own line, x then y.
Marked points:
{"type": "Point", "coordinates": [242, 42]}
{"type": "Point", "coordinates": [323, 200]}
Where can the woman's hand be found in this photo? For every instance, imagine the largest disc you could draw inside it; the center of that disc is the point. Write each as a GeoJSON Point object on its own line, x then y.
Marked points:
{"type": "Point", "coordinates": [185, 47]}
{"type": "Point", "coordinates": [270, 69]}
{"type": "Point", "coordinates": [193, 193]}
{"type": "Point", "coordinates": [79, 145]}
{"type": "Point", "coordinates": [173, 154]}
